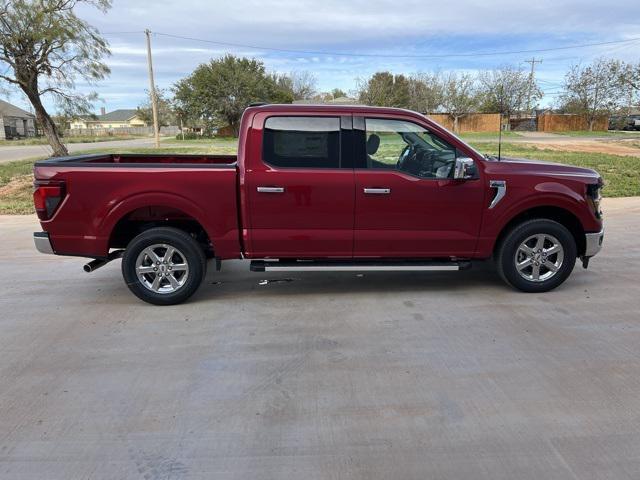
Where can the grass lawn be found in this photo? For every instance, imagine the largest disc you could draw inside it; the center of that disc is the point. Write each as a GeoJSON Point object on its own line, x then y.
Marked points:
{"type": "Point", "coordinates": [484, 136]}
{"type": "Point", "coordinates": [228, 142]}
{"type": "Point", "coordinates": [621, 174]}
{"type": "Point", "coordinates": [601, 133]}
{"type": "Point", "coordinates": [82, 139]}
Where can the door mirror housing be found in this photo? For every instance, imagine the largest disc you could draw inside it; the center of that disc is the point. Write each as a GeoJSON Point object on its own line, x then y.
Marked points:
{"type": "Point", "coordinates": [463, 168]}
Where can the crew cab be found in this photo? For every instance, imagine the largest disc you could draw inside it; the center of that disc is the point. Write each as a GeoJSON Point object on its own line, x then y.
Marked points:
{"type": "Point", "coordinates": [320, 188]}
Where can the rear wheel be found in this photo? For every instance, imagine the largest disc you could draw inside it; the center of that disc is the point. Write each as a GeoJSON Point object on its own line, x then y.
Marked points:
{"type": "Point", "coordinates": [536, 255]}
{"type": "Point", "coordinates": [163, 266]}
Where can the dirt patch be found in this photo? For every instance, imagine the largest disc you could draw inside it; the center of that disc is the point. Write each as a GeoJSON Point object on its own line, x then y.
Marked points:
{"type": "Point", "coordinates": [623, 147]}
{"type": "Point", "coordinates": [16, 186]}
{"type": "Point", "coordinates": [16, 196]}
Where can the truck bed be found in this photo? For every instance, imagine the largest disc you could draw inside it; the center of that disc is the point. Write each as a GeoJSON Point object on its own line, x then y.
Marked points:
{"type": "Point", "coordinates": [105, 191]}
{"type": "Point", "coordinates": [132, 159]}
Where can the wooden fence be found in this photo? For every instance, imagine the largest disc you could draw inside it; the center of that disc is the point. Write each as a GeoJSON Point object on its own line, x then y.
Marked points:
{"type": "Point", "coordinates": [109, 132]}
{"type": "Point", "coordinates": [474, 122]}
{"type": "Point", "coordinates": [557, 122]}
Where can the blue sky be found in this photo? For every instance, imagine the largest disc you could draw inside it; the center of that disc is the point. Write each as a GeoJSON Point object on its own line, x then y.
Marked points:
{"type": "Point", "coordinates": [367, 27]}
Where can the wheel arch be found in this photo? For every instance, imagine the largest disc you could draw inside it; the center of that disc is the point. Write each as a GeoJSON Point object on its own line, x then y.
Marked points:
{"type": "Point", "coordinates": [135, 215]}
{"type": "Point", "coordinates": [549, 212]}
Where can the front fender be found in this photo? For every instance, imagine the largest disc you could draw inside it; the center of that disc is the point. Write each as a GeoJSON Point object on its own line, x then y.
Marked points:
{"type": "Point", "coordinates": [519, 200]}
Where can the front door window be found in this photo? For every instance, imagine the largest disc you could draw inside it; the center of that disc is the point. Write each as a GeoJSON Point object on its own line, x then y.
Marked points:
{"type": "Point", "coordinates": [409, 148]}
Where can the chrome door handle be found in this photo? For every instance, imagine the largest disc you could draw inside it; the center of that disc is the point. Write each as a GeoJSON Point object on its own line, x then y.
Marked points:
{"type": "Point", "coordinates": [271, 189]}
{"type": "Point", "coordinates": [377, 191]}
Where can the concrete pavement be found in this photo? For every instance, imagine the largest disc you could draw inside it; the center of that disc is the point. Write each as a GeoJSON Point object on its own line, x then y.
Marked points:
{"type": "Point", "coordinates": [11, 153]}
{"type": "Point", "coordinates": [321, 375]}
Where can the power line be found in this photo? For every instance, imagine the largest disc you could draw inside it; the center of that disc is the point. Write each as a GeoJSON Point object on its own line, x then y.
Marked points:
{"type": "Point", "coordinates": [381, 55]}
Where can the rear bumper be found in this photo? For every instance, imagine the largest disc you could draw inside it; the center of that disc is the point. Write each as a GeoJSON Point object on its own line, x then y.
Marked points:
{"type": "Point", "coordinates": [593, 243]}
{"type": "Point", "coordinates": [43, 243]}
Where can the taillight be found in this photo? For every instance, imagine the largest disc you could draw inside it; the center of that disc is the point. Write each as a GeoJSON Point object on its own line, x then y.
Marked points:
{"type": "Point", "coordinates": [47, 196]}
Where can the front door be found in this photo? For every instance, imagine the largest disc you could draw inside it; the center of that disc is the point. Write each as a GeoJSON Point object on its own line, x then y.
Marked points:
{"type": "Point", "coordinates": [301, 195]}
{"type": "Point", "coordinates": [407, 203]}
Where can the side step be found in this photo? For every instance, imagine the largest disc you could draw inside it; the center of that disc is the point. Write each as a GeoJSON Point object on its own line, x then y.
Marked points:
{"type": "Point", "coordinates": [356, 266]}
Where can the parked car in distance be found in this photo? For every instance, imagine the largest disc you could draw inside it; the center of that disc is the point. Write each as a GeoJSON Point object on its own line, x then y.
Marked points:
{"type": "Point", "coordinates": [624, 122]}
{"type": "Point", "coordinates": [320, 188]}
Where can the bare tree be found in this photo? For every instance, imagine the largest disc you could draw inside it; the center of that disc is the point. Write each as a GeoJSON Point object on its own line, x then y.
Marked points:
{"type": "Point", "coordinates": [594, 90]}
{"type": "Point", "coordinates": [459, 96]}
{"type": "Point", "coordinates": [631, 76]}
{"type": "Point", "coordinates": [630, 79]}
{"type": "Point", "coordinates": [300, 84]}
{"type": "Point", "coordinates": [506, 90]}
{"type": "Point", "coordinates": [44, 47]}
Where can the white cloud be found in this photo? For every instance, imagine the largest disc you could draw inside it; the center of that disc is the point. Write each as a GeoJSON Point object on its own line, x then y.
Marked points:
{"type": "Point", "coordinates": [409, 27]}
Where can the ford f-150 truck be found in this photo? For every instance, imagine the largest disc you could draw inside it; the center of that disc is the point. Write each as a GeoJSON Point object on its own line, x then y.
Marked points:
{"type": "Point", "coordinates": [320, 188]}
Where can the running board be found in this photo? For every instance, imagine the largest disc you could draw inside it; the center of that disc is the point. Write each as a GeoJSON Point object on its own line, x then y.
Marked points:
{"type": "Point", "coordinates": [356, 266]}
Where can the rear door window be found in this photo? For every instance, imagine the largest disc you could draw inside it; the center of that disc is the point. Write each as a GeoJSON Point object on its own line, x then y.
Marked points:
{"type": "Point", "coordinates": [302, 142]}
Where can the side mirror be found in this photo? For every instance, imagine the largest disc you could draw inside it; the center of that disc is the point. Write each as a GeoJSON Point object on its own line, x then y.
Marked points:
{"type": "Point", "coordinates": [463, 168]}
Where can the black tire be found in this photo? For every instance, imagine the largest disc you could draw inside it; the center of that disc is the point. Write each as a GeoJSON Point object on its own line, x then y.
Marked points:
{"type": "Point", "coordinates": [510, 245]}
{"type": "Point", "coordinates": [187, 248]}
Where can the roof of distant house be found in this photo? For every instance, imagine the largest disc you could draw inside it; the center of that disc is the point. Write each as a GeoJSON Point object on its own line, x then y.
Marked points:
{"type": "Point", "coordinates": [8, 110]}
{"type": "Point", "coordinates": [121, 115]}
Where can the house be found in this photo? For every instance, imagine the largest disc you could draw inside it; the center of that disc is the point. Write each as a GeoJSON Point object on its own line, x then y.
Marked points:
{"type": "Point", "coordinates": [123, 118]}
{"type": "Point", "coordinates": [15, 122]}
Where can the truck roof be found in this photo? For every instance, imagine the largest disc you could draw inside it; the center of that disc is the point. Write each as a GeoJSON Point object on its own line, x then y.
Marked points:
{"type": "Point", "coordinates": [363, 109]}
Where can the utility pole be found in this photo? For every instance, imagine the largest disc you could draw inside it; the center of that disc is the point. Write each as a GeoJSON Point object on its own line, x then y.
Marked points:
{"type": "Point", "coordinates": [533, 62]}
{"type": "Point", "coordinates": [152, 90]}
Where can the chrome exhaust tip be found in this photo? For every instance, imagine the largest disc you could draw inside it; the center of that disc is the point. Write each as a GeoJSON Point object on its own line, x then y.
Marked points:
{"type": "Point", "coordinates": [93, 265]}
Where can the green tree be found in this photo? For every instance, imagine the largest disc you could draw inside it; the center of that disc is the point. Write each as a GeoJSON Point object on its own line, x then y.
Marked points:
{"type": "Point", "coordinates": [594, 90]}
{"type": "Point", "coordinates": [384, 89]}
{"type": "Point", "coordinates": [425, 92]}
{"type": "Point", "coordinates": [217, 93]}
{"type": "Point", "coordinates": [44, 48]}
{"type": "Point", "coordinates": [337, 93]}
{"type": "Point", "coordinates": [166, 113]}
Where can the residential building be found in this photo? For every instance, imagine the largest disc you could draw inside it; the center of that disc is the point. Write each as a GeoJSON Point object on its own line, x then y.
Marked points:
{"type": "Point", "coordinates": [123, 118]}
{"type": "Point", "coordinates": [15, 122]}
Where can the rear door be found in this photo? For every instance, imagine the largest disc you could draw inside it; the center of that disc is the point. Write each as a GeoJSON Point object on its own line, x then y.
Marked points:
{"type": "Point", "coordinates": [407, 204]}
{"type": "Point", "coordinates": [301, 192]}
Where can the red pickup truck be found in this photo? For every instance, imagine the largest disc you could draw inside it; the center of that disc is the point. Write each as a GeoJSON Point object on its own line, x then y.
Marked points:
{"type": "Point", "coordinates": [320, 188]}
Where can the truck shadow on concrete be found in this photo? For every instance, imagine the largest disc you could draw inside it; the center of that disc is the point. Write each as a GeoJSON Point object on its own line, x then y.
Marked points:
{"type": "Point", "coordinates": [235, 282]}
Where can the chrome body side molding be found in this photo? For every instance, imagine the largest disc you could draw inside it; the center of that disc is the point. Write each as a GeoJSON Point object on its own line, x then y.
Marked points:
{"type": "Point", "coordinates": [501, 187]}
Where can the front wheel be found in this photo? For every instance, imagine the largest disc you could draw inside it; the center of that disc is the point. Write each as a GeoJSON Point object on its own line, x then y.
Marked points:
{"type": "Point", "coordinates": [163, 266]}
{"type": "Point", "coordinates": [536, 255]}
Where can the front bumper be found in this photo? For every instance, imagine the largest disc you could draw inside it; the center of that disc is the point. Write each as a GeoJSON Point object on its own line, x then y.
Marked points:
{"type": "Point", "coordinates": [593, 243]}
{"type": "Point", "coordinates": [43, 243]}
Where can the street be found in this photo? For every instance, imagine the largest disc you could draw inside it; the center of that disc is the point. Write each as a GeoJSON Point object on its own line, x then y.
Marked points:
{"type": "Point", "coordinates": [11, 153]}
{"type": "Point", "coordinates": [321, 375]}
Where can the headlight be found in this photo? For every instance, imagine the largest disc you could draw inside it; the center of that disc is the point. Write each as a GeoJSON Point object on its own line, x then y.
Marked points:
{"type": "Point", "coordinates": [594, 196]}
